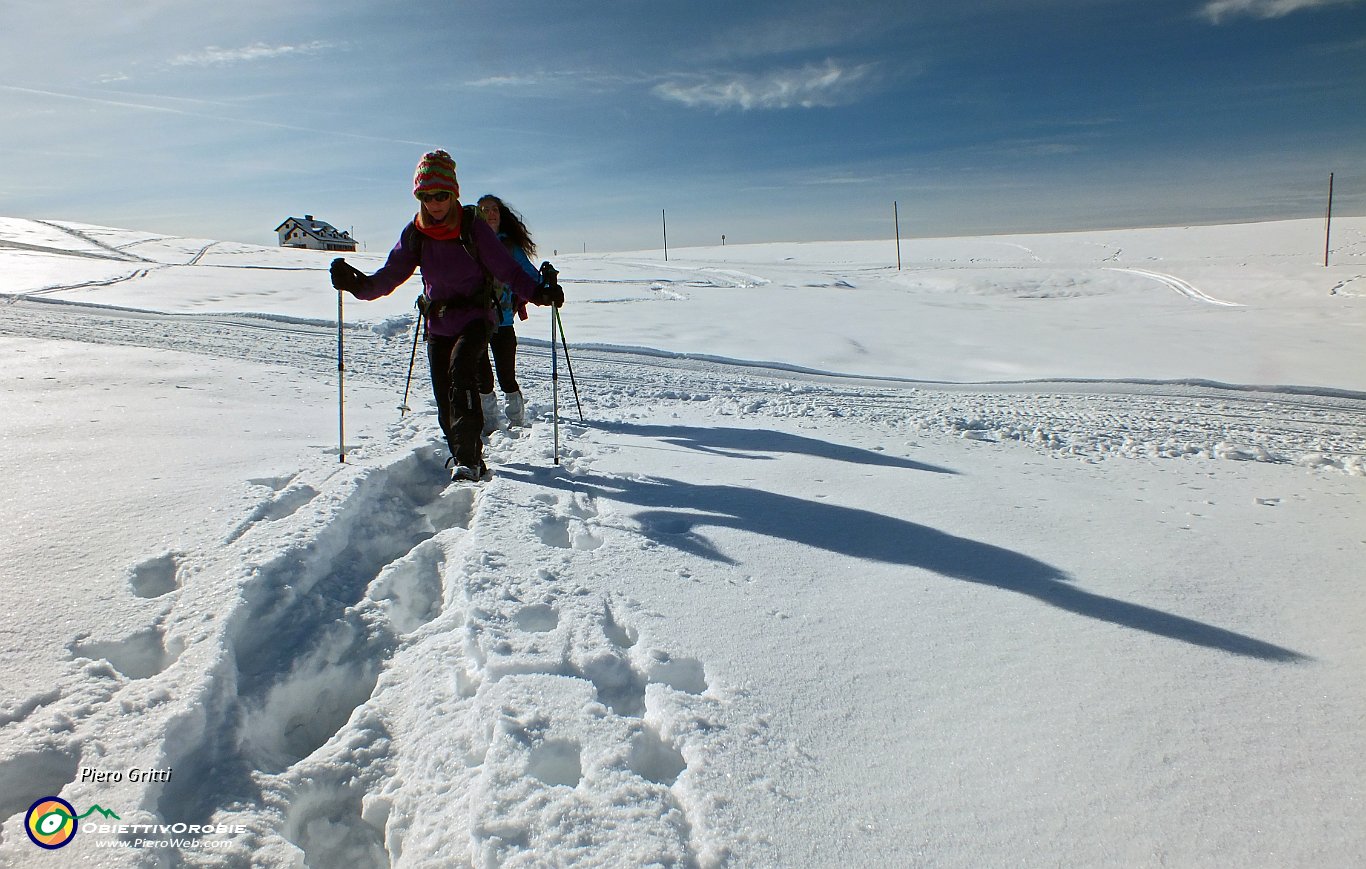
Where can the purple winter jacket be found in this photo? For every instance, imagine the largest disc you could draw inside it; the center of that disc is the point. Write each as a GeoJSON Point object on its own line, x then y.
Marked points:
{"type": "Point", "coordinates": [450, 274]}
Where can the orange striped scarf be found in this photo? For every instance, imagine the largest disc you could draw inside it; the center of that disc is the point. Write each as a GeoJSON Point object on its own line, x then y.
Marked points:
{"type": "Point", "coordinates": [446, 229]}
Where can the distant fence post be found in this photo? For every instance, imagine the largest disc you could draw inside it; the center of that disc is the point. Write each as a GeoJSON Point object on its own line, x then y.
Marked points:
{"type": "Point", "coordinates": [665, 219]}
{"type": "Point", "coordinates": [896, 220]}
{"type": "Point", "coordinates": [1328, 230]}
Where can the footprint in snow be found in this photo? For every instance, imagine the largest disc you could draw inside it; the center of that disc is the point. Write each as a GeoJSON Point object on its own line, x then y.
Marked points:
{"type": "Point", "coordinates": [34, 774]}
{"type": "Point", "coordinates": [681, 674]}
{"type": "Point", "coordinates": [410, 589]}
{"type": "Point", "coordinates": [283, 505]}
{"type": "Point", "coordinates": [655, 760]}
{"type": "Point", "coordinates": [570, 526]}
{"type": "Point", "coordinates": [275, 484]}
{"type": "Point", "coordinates": [156, 576]}
{"type": "Point", "coordinates": [556, 762]}
{"type": "Point", "coordinates": [139, 656]}
{"type": "Point", "coordinates": [537, 618]}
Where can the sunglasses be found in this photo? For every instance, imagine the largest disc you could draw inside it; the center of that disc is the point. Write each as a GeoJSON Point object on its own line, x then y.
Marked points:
{"type": "Point", "coordinates": [440, 196]}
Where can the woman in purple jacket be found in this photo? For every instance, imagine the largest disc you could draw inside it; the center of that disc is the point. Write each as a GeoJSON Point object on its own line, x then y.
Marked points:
{"type": "Point", "coordinates": [455, 297]}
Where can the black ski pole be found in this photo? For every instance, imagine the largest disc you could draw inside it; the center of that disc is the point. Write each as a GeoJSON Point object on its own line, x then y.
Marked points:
{"type": "Point", "coordinates": [564, 343]}
{"type": "Point", "coordinates": [555, 385]}
{"type": "Point", "coordinates": [404, 408]}
{"type": "Point", "coordinates": [341, 384]}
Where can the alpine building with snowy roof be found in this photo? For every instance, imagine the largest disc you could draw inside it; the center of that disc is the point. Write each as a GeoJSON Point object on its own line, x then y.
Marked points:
{"type": "Point", "coordinates": [314, 234]}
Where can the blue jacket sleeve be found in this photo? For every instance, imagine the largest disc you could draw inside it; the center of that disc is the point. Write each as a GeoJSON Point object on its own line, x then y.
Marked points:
{"type": "Point", "coordinates": [520, 255]}
{"type": "Point", "coordinates": [501, 264]}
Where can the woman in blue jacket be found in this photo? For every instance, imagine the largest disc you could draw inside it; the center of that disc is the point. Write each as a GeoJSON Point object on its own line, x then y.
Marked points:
{"type": "Point", "coordinates": [512, 232]}
{"type": "Point", "coordinates": [455, 299]}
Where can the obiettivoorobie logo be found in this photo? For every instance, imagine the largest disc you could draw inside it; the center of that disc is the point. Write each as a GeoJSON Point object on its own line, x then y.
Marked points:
{"type": "Point", "coordinates": [52, 822]}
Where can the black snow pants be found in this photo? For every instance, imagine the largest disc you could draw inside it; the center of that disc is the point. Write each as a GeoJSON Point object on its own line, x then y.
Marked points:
{"type": "Point", "coordinates": [455, 367]}
{"type": "Point", "coordinates": [503, 343]}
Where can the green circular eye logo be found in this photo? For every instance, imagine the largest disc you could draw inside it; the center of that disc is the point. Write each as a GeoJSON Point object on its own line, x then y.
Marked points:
{"type": "Point", "coordinates": [51, 822]}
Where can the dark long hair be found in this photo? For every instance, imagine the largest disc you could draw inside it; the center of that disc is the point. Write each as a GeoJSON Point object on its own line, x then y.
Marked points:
{"type": "Point", "coordinates": [511, 226]}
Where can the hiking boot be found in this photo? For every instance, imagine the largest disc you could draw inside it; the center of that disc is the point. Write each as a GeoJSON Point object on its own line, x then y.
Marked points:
{"type": "Point", "coordinates": [490, 403]}
{"type": "Point", "coordinates": [466, 473]}
{"type": "Point", "coordinates": [515, 409]}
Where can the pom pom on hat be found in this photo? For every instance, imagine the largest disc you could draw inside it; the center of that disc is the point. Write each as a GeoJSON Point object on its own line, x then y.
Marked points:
{"type": "Point", "coordinates": [436, 172]}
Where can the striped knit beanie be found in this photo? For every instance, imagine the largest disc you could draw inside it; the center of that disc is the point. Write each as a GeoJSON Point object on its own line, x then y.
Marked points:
{"type": "Point", "coordinates": [436, 172]}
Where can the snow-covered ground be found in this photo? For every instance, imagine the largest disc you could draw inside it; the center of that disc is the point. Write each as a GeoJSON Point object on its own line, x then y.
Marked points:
{"type": "Point", "coordinates": [1041, 550]}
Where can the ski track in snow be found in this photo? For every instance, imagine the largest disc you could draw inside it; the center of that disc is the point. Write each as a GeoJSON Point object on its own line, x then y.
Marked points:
{"type": "Point", "coordinates": [109, 282]}
{"type": "Point", "coordinates": [90, 238]}
{"type": "Point", "coordinates": [194, 260]}
{"type": "Point", "coordinates": [1179, 286]}
{"type": "Point", "coordinates": [706, 276]}
{"type": "Point", "coordinates": [1348, 287]}
{"type": "Point", "coordinates": [1283, 424]}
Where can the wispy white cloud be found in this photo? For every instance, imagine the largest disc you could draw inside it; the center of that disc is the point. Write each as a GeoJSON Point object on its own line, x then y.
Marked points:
{"type": "Point", "coordinates": [572, 80]}
{"type": "Point", "coordinates": [1219, 10]}
{"type": "Point", "coordinates": [519, 80]}
{"type": "Point", "coordinates": [1041, 148]}
{"type": "Point", "coordinates": [494, 81]}
{"type": "Point", "coordinates": [215, 56]}
{"type": "Point", "coordinates": [226, 119]}
{"type": "Point", "coordinates": [828, 84]}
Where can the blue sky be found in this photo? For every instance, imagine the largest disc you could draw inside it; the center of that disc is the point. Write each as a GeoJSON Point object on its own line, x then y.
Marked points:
{"type": "Point", "coordinates": [762, 121]}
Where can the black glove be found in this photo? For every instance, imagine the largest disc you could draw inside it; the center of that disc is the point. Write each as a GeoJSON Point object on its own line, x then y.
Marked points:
{"type": "Point", "coordinates": [549, 292]}
{"type": "Point", "coordinates": [347, 277]}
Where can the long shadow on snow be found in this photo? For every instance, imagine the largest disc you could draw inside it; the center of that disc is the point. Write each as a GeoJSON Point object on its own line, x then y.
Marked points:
{"type": "Point", "coordinates": [744, 443]}
{"type": "Point", "coordinates": [681, 507]}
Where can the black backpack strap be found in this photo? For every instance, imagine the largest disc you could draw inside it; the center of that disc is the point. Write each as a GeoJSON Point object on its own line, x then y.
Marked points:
{"type": "Point", "coordinates": [487, 296]}
{"type": "Point", "coordinates": [467, 218]}
{"type": "Point", "coordinates": [411, 239]}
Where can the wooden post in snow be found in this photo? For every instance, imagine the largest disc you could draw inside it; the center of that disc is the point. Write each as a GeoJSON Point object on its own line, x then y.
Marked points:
{"type": "Point", "coordinates": [1328, 231]}
{"type": "Point", "coordinates": [896, 220]}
